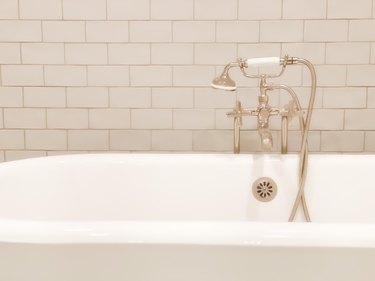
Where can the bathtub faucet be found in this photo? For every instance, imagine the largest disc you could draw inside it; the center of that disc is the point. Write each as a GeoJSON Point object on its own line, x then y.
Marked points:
{"type": "Point", "coordinates": [264, 111]}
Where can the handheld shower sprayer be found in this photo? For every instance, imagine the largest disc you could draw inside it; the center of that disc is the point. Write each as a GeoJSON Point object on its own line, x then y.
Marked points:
{"type": "Point", "coordinates": [224, 82]}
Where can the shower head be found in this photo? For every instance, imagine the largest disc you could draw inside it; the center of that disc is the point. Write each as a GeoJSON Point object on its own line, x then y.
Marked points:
{"type": "Point", "coordinates": [224, 82]}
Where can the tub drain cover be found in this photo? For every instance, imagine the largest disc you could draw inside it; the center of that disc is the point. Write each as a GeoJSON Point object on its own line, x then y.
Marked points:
{"type": "Point", "coordinates": [264, 189]}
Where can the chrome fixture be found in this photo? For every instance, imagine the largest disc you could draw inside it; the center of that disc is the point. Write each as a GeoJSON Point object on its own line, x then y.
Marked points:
{"type": "Point", "coordinates": [264, 111]}
{"type": "Point", "coordinates": [264, 189]}
{"type": "Point", "coordinates": [224, 82]}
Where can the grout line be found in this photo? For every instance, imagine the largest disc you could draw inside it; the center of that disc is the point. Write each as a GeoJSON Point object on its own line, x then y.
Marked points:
{"type": "Point", "coordinates": [106, 10]}
{"type": "Point", "coordinates": [238, 9]}
{"type": "Point", "coordinates": [62, 9]}
{"type": "Point", "coordinates": [19, 9]}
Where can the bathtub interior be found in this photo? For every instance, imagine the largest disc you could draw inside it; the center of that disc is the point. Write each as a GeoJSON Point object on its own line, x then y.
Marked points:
{"type": "Point", "coordinates": [176, 187]}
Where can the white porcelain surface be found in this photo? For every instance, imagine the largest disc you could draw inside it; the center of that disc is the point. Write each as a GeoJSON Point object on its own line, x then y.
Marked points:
{"type": "Point", "coordinates": [184, 217]}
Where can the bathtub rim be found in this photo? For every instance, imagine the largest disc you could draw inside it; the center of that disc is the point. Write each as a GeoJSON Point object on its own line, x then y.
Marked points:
{"type": "Point", "coordinates": [210, 233]}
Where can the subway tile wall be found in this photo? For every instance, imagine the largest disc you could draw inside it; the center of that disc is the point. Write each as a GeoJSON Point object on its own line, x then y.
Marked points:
{"type": "Point", "coordinates": [82, 76]}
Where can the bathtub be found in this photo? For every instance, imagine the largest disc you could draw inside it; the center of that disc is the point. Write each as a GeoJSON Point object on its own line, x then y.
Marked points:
{"type": "Point", "coordinates": [185, 217]}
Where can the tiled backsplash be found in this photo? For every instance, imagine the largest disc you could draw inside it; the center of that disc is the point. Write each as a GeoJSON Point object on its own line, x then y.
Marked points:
{"type": "Point", "coordinates": [134, 75]}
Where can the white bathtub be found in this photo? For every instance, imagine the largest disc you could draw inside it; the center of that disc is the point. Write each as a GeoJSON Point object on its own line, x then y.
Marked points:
{"type": "Point", "coordinates": [173, 217]}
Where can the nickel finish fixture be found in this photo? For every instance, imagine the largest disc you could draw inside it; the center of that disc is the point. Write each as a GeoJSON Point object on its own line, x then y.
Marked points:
{"type": "Point", "coordinates": [264, 111]}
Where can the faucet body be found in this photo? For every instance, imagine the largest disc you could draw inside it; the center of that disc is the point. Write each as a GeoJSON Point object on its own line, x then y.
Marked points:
{"type": "Point", "coordinates": [264, 111]}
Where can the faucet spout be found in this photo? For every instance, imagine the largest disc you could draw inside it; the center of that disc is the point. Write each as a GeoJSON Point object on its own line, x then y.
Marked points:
{"type": "Point", "coordinates": [266, 139]}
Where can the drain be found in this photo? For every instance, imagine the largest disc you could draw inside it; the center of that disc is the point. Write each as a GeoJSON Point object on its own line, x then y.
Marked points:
{"type": "Point", "coordinates": [264, 189]}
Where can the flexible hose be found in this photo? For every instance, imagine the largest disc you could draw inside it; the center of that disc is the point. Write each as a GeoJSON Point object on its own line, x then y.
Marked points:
{"type": "Point", "coordinates": [304, 155]}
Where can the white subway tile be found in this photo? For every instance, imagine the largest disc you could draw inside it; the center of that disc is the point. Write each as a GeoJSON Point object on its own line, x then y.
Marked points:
{"type": "Point", "coordinates": [327, 76]}
{"type": "Point", "coordinates": [172, 97]}
{"type": "Point", "coordinates": [215, 53]}
{"type": "Point", "coordinates": [259, 50]}
{"type": "Point", "coordinates": [348, 53]}
{"type": "Point", "coordinates": [314, 52]}
{"type": "Point", "coordinates": [238, 77]}
{"type": "Point", "coordinates": [86, 53]}
{"type": "Point", "coordinates": [46, 139]}
{"type": "Point", "coordinates": [237, 31]}
{"type": "Point", "coordinates": [108, 75]}
{"type": "Point", "coordinates": [65, 75]}
{"type": "Point", "coordinates": [151, 118]}
{"type": "Point", "coordinates": [63, 31]}
{"type": "Point", "coordinates": [64, 152]}
{"type": "Point", "coordinates": [295, 138]}
{"type": "Point", "coordinates": [344, 97]}
{"type": "Point", "coordinates": [193, 119]}
{"type": "Point", "coordinates": [129, 53]}
{"type": "Point", "coordinates": [370, 141]}
{"type": "Point", "coordinates": [12, 139]}
{"type": "Point", "coordinates": [88, 140]}
{"type": "Point", "coordinates": [342, 141]}
{"type": "Point", "coordinates": [2, 156]}
{"type": "Point", "coordinates": [11, 97]}
{"type": "Point", "coordinates": [372, 51]}
{"type": "Point", "coordinates": [327, 119]}
{"type": "Point", "coordinates": [361, 75]}
{"type": "Point", "coordinates": [192, 76]}
{"type": "Point", "coordinates": [111, 118]}
{"type": "Point", "coordinates": [326, 30]}
{"type": "Point", "coordinates": [304, 9]}
{"type": "Point", "coordinates": [150, 31]}
{"type": "Point", "coordinates": [172, 53]}
{"type": "Point", "coordinates": [130, 140]}
{"type": "Point", "coordinates": [107, 31]}
{"type": "Point", "coordinates": [349, 9]}
{"type": "Point", "coordinates": [291, 77]}
{"type": "Point", "coordinates": [259, 9]}
{"type": "Point", "coordinates": [44, 97]}
{"type": "Point", "coordinates": [362, 30]}
{"type": "Point", "coordinates": [13, 155]}
{"type": "Point", "coordinates": [371, 97]}
{"type": "Point", "coordinates": [213, 141]}
{"type": "Point", "coordinates": [360, 119]}
{"type": "Point", "coordinates": [22, 75]}
{"type": "Point", "coordinates": [130, 97]}
{"type": "Point", "coordinates": [150, 75]}
{"type": "Point", "coordinates": [212, 9]}
{"type": "Point", "coordinates": [9, 9]}
{"type": "Point", "coordinates": [2, 118]}
{"type": "Point", "coordinates": [250, 142]}
{"type": "Point", "coordinates": [128, 9]}
{"type": "Point", "coordinates": [193, 31]}
{"type": "Point", "coordinates": [40, 9]}
{"type": "Point", "coordinates": [10, 53]}
{"type": "Point", "coordinates": [172, 10]}
{"type": "Point", "coordinates": [172, 140]}
{"type": "Point", "coordinates": [84, 9]}
{"type": "Point", "coordinates": [281, 31]}
{"type": "Point", "coordinates": [65, 118]}
{"type": "Point", "coordinates": [211, 98]}
{"type": "Point", "coordinates": [87, 97]}
{"type": "Point", "coordinates": [42, 53]}
{"type": "Point", "coordinates": [20, 31]}
{"type": "Point", "coordinates": [27, 118]}
{"type": "Point", "coordinates": [303, 95]}
{"type": "Point", "coordinates": [222, 121]}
